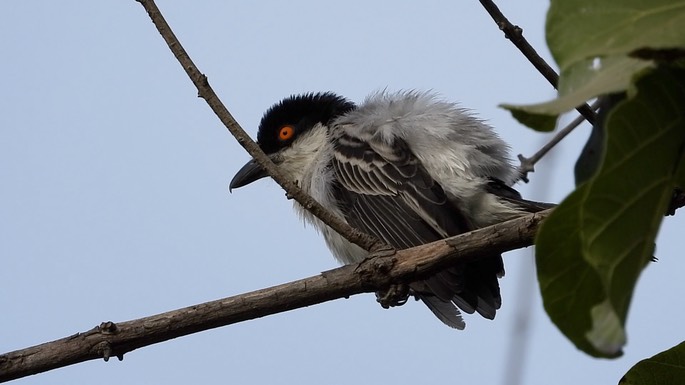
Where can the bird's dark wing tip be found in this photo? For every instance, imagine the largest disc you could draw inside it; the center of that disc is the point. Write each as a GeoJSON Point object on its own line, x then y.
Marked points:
{"type": "Point", "coordinates": [446, 312]}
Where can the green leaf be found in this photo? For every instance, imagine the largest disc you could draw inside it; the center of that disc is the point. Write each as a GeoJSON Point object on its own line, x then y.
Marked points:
{"type": "Point", "coordinates": [595, 44]}
{"type": "Point", "coordinates": [541, 122]}
{"type": "Point", "coordinates": [680, 174]}
{"type": "Point", "coordinates": [581, 83]}
{"type": "Point", "coordinates": [578, 30]}
{"type": "Point", "coordinates": [591, 250]}
{"type": "Point", "coordinates": [593, 152]}
{"type": "Point", "coordinates": [665, 368]}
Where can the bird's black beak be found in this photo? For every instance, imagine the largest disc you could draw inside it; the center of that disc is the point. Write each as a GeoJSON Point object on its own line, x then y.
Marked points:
{"type": "Point", "coordinates": [249, 173]}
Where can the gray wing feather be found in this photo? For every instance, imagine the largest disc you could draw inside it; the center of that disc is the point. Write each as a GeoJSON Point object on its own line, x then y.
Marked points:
{"type": "Point", "coordinates": [385, 191]}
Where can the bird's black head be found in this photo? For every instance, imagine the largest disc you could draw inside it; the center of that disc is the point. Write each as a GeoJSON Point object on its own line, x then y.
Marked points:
{"type": "Point", "coordinates": [286, 120]}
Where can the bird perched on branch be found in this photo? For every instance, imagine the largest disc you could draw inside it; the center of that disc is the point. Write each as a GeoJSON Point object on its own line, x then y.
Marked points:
{"type": "Point", "coordinates": [405, 167]}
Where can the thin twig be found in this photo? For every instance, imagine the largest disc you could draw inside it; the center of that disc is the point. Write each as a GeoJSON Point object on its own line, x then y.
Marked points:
{"type": "Point", "coordinates": [515, 34]}
{"type": "Point", "coordinates": [111, 339]}
{"type": "Point", "coordinates": [528, 164]}
{"type": "Point", "coordinates": [206, 92]}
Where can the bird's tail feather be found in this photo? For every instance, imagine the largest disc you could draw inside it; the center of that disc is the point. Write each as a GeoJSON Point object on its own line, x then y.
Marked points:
{"type": "Point", "coordinates": [469, 287]}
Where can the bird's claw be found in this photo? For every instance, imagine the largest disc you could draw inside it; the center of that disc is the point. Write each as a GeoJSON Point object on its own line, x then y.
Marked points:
{"type": "Point", "coordinates": [395, 295]}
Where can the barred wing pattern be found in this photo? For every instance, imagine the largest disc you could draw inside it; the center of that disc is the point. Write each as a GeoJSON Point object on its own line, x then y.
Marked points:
{"type": "Point", "coordinates": [385, 191]}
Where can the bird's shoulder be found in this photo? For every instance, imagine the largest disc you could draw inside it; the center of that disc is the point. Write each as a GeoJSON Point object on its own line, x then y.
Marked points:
{"type": "Point", "coordinates": [448, 140]}
{"type": "Point", "coordinates": [385, 116]}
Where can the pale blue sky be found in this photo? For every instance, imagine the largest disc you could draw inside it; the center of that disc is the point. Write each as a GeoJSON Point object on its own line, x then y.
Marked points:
{"type": "Point", "coordinates": [114, 201]}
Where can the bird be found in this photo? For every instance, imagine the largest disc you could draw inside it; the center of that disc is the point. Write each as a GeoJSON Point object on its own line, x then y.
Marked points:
{"type": "Point", "coordinates": [407, 167]}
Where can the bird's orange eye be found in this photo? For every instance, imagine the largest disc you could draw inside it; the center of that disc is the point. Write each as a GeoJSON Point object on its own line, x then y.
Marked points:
{"type": "Point", "coordinates": [286, 132]}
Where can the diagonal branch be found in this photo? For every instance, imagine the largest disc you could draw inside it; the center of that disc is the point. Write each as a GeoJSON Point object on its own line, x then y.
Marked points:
{"type": "Point", "coordinates": [111, 339]}
{"type": "Point", "coordinates": [528, 164]}
{"type": "Point", "coordinates": [515, 34]}
{"type": "Point", "coordinates": [206, 92]}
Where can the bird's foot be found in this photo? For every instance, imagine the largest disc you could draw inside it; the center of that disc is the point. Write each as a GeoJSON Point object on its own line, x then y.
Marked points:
{"type": "Point", "coordinates": [395, 295]}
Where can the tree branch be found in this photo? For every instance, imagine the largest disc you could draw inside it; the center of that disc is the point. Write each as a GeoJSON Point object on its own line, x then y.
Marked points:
{"type": "Point", "coordinates": [206, 92]}
{"type": "Point", "coordinates": [515, 34]}
{"type": "Point", "coordinates": [111, 339]}
{"type": "Point", "coordinates": [528, 164]}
